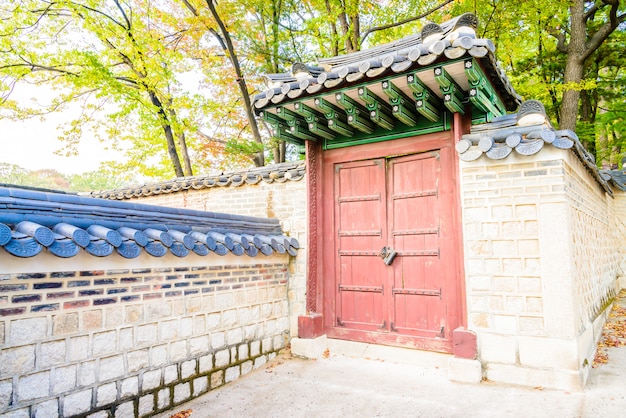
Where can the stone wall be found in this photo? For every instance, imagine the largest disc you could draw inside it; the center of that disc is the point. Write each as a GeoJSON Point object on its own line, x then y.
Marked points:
{"type": "Point", "coordinates": [284, 200]}
{"type": "Point", "coordinates": [540, 266]}
{"type": "Point", "coordinates": [127, 338]}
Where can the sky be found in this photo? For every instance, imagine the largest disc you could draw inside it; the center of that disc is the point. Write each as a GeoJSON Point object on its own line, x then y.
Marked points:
{"type": "Point", "coordinates": [31, 144]}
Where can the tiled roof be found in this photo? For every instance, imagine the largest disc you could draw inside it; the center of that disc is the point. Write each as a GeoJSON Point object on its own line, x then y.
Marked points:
{"type": "Point", "coordinates": [33, 220]}
{"type": "Point", "coordinates": [616, 177]}
{"type": "Point", "coordinates": [452, 40]}
{"type": "Point", "coordinates": [525, 132]}
{"type": "Point", "coordinates": [292, 171]}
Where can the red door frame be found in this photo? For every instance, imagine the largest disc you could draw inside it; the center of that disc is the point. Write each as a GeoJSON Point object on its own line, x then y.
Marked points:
{"type": "Point", "coordinates": [320, 203]}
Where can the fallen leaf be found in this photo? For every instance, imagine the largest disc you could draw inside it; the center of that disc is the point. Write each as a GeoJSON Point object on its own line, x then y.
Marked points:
{"type": "Point", "coordinates": [182, 414]}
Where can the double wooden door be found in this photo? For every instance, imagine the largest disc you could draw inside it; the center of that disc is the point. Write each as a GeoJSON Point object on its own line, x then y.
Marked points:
{"type": "Point", "coordinates": [392, 280]}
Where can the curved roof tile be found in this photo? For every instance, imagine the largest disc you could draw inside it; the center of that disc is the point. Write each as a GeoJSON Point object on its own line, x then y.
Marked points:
{"type": "Point", "coordinates": [291, 171]}
{"type": "Point", "coordinates": [32, 221]}
{"type": "Point", "coordinates": [525, 132]}
{"type": "Point", "coordinates": [453, 39]}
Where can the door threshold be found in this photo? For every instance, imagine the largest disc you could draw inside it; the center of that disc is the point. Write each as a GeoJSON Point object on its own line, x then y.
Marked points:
{"type": "Point", "coordinates": [422, 358]}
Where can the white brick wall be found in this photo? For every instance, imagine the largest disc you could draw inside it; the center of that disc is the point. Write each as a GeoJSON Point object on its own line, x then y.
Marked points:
{"type": "Point", "coordinates": [164, 332]}
{"type": "Point", "coordinates": [540, 264]}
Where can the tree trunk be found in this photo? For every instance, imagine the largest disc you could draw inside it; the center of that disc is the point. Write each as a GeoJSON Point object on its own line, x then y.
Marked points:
{"type": "Point", "coordinates": [574, 67]}
{"type": "Point", "coordinates": [227, 45]}
{"type": "Point", "coordinates": [182, 144]}
{"type": "Point", "coordinates": [169, 135]}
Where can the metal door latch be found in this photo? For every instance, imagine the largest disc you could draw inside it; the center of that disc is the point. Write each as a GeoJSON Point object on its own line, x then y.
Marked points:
{"type": "Point", "coordinates": [388, 254]}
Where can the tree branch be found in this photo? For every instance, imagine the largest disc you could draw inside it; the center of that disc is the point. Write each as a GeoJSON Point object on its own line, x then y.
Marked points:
{"type": "Point", "coordinates": [402, 22]}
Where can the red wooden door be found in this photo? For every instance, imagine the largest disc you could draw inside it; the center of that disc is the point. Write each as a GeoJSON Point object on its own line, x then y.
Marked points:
{"type": "Point", "coordinates": [398, 203]}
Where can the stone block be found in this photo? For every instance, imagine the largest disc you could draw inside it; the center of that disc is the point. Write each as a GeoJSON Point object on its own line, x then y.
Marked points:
{"type": "Point", "coordinates": [199, 345]}
{"type": "Point", "coordinates": [99, 414]}
{"type": "Point", "coordinates": [464, 370]}
{"type": "Point", "coordinates": [78, 348]}
{"type": "Point", "coordinates": [498, 348]}
{"type": "Point", "coordinates": [182, 392]}
{"type": "Point", "coordinates": [33, 386]}
{"type": "Point", "coordinates": [64, 379]}
{"type": "Point", "coordinates": [186, 327]}
{"type": "Point", "coordinates": [200, 385]}
{"type": "Point", "coordinates": [235, 336]}
{"type": "Point", "coordinates": [111, 368]}
{"type": "Point", "coordinates": [266, 345]}
{"type": "Point", "coordinates": [77, 403]}
{"type": "Point", "coordinates": [188, 369]}
{"type": "Point", "coordinates": [151, 379]}
{"type": "Point", "coordinates": [87, 373]}
{"type": "Point", "coordinates": [218, 340]}
{"type": "Point", "coordinates": [163, 398]}
{"type": "Point", "coordinates": [106, 394]}
{"type": "Point", "coordinates": [147, 334]}
{"type": "Point", "coordinates": [206, 363]}
{"type": "Point", "coordinates": [312, 348]}
{"type": "Point", "coordinates": [278, 342]}
{"type": "Point", "coordinates": [242, 352]}
{"type": "Point", "coordinates": [548, 353]}
{"type": "Point", "coordinates": [24, 331]}
{"type": "Point", "coordinates": [129, 387]}
{"type": "Point", "coordinates": [125, 339]}
{"type": "Point", "coordinates": [222, 358]}
{"type": "Point", "coordinates": [17, 361]}
{"type": "Point", "coordinates": [246, 367]}
{"type": "Point", "coordinates": [214, 321]}
{"type": "Point", "coordinates": [170, 374]}
{"type": "Point", "coordinates": [18, 413]}
{"type": "Point", "coordinates": [137, 360]}
{"type": "Point", "coordinates": [250, 332]}
{"type": "Point", "coordinates": [158, 355]}
{"type": "Point", "coordinates": [169, 330]}
{"type": "Point", "coordinates": [52, 354]}
{"type": "Point", "coordinates": [232, 373]}
{"type": "Point", "coordinates": [549, 379]}
{"type": "Point", "coordinates": [125, 410]}
{"type": "Point", "coordinates": [217, 379]}
{"type": "Point", "coordinates": [6, 393]}
{"type": "Point", "coordinates": [178, 350]}
{"type": "Point", "coordinates": [104, 343]}
{"type": "Point", "coordinates": [229, 318]}
{"type": "Point", "coordinates": [47, 409]}
{"type": "Point", "coordinates": [146, 405]}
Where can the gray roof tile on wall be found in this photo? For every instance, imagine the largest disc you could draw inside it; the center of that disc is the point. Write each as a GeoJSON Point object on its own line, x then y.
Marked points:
{"type": "Point", "coordinates": [291, 171]}
{"type": "Point", "coordinates": [34, 220]}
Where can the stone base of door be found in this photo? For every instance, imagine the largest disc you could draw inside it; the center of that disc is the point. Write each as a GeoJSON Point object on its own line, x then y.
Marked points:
{"type": "Point", "coordinates": [312, 348]}
{"type": "Point", "coordinates": [464, 370]}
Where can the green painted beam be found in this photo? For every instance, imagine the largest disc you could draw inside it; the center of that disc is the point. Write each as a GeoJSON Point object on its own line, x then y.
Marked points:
{"type": "Point", "coordinates": [282, 133]}
{"type": "Point", "coordinates": [426, 102]}
{"type": "Point", "coordinates": [452, 93]}
{"type": "Point", "coordinates": [357, 114]}
{"type": "Point", "coordinates": [308, 113]}
{"type": "Point", "coordinates": [482, 93]}
{"type": "Point", "coordinates": [320, 128]}
{"type": "Point", "coordinates": [399, 104]}
{"type": "Point", "coordinates": [337, 119]}
{"type": "Point", "coordinates": [380, 112]}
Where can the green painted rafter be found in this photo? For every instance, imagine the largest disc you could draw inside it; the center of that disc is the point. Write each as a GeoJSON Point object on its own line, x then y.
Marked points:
{"type": "Point", "coordinates": [379, 111]}
{"type": "Point", "coordinates": [452, 93]}
{"type": "Point", "coordinates": [298, 126]}
{"type": "Point", "coordinates": [357, 114]}
{"type": "Point", "coordinates": [400, 104]}
{"type": "Point", "coordinates": [426, 102]}
{"type": "Point", "coordinates": [337, 120]}
{"type": "Point", "coordinates": [317, 123]}
{"type": "Point", "coordinates": [482, 93]}
{"type": "Point", "coordinates": [280, 129]}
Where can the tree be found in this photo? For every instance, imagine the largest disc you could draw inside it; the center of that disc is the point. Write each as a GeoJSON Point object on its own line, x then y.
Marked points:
{"type": "Point", "coordinates": [101, 52]}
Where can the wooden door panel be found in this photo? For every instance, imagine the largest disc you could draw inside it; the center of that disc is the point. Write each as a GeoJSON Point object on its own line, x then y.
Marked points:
{"type": "Point", "coordinates": [360, 216]}
{"type": "Point", "coordinates": [417, 305]}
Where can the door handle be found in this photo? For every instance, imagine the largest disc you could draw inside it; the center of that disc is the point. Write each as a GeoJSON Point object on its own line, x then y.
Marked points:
{"type": "Point", "coordinates": [388, 254]}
